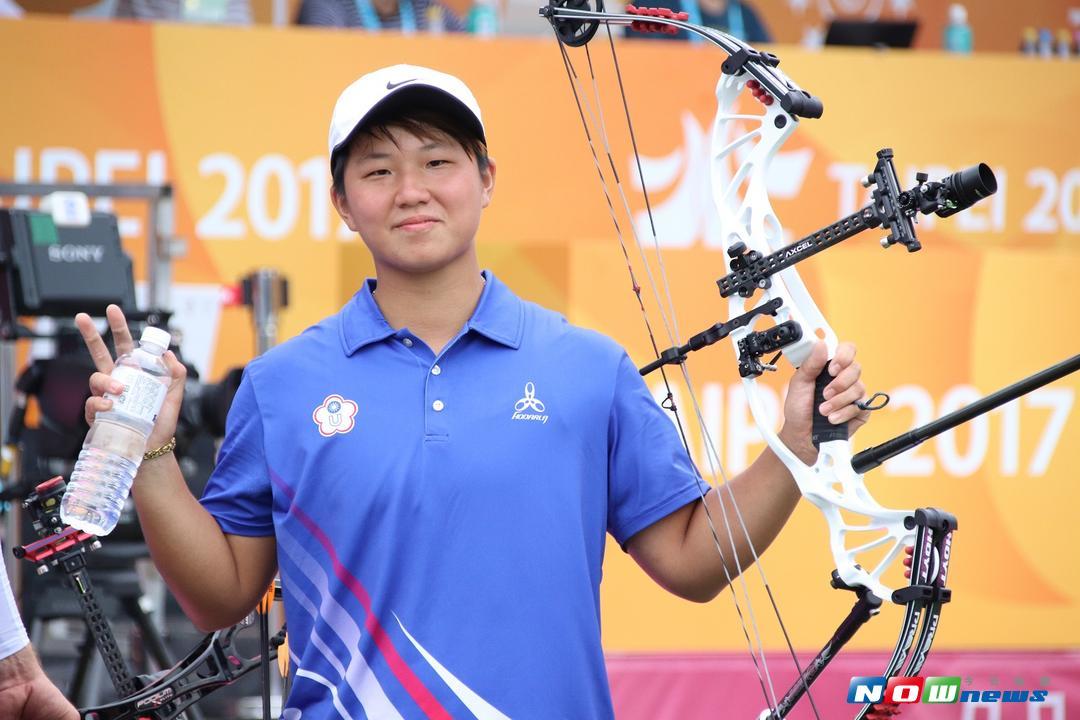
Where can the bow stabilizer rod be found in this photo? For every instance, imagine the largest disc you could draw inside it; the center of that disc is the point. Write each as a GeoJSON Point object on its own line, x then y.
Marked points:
{"type": "Point", "coordinates": [923, 598]}
{"type": "Point", "coordinates": [872, 457]}
{"type": "Point", "coordinates": [866, 606]}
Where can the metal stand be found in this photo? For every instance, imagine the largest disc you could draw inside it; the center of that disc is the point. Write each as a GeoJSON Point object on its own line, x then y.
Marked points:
{"type": "Point", "coordinates": [266, 292]}
{"type": "Point", "coordinates": [160, 248]}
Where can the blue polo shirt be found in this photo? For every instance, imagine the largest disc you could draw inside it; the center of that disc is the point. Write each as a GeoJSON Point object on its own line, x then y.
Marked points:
{"type": "Point", "coordinates": [441, 520]}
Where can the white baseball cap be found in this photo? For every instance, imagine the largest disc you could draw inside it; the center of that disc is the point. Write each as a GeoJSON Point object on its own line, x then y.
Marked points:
{"type": "Point", "coordinates": [404, 83]}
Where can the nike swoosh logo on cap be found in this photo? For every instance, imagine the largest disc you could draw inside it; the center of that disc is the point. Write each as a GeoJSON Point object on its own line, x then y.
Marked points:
{"type": "Point", "coordinates": [392, 85]}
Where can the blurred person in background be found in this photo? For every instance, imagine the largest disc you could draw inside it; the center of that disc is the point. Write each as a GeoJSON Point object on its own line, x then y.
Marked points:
{"type": "Point", "coordinates": [408, 16]}
{"type": "Point", "coordinates": [230, 12]}
{"type": "Point", "coordinates": [25, 692]}
{"type": "Point", "coordinates": [731, 16]}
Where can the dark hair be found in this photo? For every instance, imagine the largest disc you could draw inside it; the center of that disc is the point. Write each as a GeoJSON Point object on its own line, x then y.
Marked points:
{"type": "Point", "coordinates": [422, 123]}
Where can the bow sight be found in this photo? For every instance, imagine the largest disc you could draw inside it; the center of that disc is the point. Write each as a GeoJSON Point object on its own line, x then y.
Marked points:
{"type": "Point", "coordinates": [890, 209]}
{"type": "Point", "coordinates": [957, 192]}
{"type": "Point", "coordinates": [946, 197]}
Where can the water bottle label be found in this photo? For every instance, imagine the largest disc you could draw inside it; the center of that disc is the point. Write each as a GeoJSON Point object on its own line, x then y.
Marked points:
{"type": "Point", "coordinates": [142, 396]}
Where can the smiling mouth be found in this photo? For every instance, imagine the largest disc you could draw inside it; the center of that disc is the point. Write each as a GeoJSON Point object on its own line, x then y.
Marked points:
{"type": "Point", "coordinates": [416, 224]}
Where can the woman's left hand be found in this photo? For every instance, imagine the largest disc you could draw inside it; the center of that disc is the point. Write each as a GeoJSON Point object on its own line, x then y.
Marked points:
{"type": "Point", "coordinates": [841, 396]}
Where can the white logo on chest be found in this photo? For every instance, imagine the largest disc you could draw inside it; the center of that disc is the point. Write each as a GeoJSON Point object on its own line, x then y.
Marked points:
{"type": "Point", "coordinates": [530, 407]}
{"type": "Point", "coordinates": [335, 415]}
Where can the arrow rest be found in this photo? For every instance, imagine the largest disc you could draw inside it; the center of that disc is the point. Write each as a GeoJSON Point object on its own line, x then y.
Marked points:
{"type": "Point", "coordinates": [758, 344]}
{"type": "Point", "coordinates": [705, 338]}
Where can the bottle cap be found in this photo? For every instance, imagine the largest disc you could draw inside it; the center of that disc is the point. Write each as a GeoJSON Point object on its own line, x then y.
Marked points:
{"type": "Point", "coordinates": [156, 336]}
{"type": "Point", "coordinates": [958, 14]}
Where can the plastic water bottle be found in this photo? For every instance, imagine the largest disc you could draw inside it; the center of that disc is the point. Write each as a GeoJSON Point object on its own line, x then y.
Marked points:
{"type": "Point", "coordinates": [114, 447]}
{"type": "Point", "coordinates": [1064, 44]}
{"type": "Point", "coordinates": [1029, 41]}
{"type": "Point", "coordinates": [958, 36]}
{"type": "Point", "coordinates": [1045, 47]}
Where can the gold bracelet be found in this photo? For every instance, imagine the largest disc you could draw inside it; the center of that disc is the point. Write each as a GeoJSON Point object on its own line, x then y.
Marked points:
{"type": "Point", "coordinates": [163, 450]}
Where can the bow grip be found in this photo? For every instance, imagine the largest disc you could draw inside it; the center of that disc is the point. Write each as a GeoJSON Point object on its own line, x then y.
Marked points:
{"type": "Point", "coordinates": [822, 430]}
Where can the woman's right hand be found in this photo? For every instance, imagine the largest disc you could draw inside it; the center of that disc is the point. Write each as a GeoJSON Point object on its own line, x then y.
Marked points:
{"type": "Point", "coordinates": [101, 382]}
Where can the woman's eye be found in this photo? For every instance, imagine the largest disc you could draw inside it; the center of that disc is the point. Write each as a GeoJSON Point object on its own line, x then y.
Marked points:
{"type": "Point", "coordinates": [374, 173]}
{"type": "Point", "coordinates": [437, 163]}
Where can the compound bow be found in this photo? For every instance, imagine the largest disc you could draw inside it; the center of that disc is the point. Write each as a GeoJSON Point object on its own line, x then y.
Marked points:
{"type": "Point", "coordinates": [762, 264]}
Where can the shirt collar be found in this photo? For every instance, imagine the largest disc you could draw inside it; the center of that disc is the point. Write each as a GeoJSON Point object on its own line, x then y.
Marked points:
{"type": "Point", "coordinates": [499, 316]}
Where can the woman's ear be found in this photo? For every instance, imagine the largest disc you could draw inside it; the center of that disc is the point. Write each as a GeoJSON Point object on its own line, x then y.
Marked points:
{"type": "Point", "coordinates": [487, 178]}
{"type": "Point", "coordinates": [342, 207]}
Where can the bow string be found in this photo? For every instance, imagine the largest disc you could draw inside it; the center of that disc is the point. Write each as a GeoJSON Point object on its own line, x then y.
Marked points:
{"type": "Point", "coordinates": [866, 538]}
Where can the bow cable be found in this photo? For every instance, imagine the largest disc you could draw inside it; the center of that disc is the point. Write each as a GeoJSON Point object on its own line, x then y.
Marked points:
{"type": "Point", "coordinates": [669, 403]}
{"type": "Point", "coordinates": [716, 467]}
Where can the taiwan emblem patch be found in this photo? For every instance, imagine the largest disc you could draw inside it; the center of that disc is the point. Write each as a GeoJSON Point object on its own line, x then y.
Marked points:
{"type": "Point", "coordinates": [335, 415]}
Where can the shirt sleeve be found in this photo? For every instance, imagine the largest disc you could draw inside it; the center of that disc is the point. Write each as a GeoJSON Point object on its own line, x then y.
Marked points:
{"type": "Point", "coordinates": [12, 633]}
{"type": "Point", "coordinates": [649, 473]}
{"type": "Point", "coordinates": [238, 493]}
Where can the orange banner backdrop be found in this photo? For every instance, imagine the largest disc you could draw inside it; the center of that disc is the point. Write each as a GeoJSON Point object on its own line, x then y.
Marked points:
{"type": "Point", "coordinates": [237, 121]}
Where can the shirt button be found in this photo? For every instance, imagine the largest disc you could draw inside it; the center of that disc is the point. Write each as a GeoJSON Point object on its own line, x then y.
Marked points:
{"type": "Point", "coordinates": [437, 406]}
{"type": "Point", "coordinates": [436, 370]}
{"type": "Point", "coordinates": [407, 342]}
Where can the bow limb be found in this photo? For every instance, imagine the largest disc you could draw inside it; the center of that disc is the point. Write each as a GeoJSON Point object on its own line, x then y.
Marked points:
{"type": "Point", "coordinates": [744, 147]}
{"type": "Point", "coordinates": [865, 538]}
